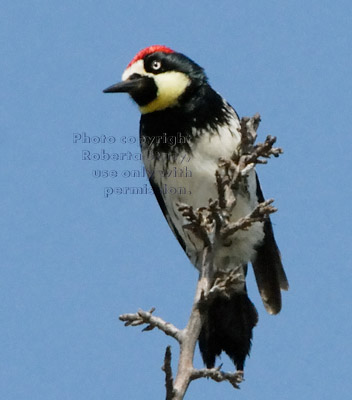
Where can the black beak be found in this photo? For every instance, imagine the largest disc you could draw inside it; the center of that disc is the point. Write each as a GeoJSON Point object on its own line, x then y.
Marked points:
{"type": "Point", "coordinates": [124, 87]}
{"type": "Point", "coordinates": [142, 89]}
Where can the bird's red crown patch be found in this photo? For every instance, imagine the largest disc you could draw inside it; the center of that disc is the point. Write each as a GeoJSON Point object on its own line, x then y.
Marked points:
{"type": "Point", "coordinates": [149, 50]}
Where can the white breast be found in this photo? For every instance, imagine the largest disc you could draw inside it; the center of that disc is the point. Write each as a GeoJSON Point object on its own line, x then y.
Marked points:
{"type": "Point", "coordinates": [190, 179]}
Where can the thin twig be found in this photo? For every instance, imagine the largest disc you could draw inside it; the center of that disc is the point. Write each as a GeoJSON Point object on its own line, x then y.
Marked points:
{"type": "Point", "coordinates": [235, 378]}
{"type": "Point", "coordinates": [259, 214]}
{"type": "Point", "coordinates": [145, 317]}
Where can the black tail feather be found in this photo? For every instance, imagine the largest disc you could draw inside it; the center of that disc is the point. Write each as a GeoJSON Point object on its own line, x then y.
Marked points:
{"type": "Point", "coordinates": [268, 270]}
{"type": "Point", "coordinates": [228, 326]}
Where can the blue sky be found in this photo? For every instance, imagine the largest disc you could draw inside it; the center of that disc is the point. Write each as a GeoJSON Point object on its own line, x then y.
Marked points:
{"type": "Point", "coordinates": [72, 260]}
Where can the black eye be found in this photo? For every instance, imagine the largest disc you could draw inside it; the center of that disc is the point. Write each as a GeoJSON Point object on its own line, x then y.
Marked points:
{"type": "Point", "coordinates": [156, 65]}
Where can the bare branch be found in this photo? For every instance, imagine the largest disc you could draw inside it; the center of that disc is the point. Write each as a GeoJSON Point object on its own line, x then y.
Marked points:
{"type": "Point", "coordinates": [248, 130]}
{"type": "Point", "coordinates": [265, 150]}
{"type": "Point", "coordinates": [235, 378]}
{"type": "Point", "coordinates": [197, 222]}
{"type": "Point", "coordinates": [191, 333]}
{"type": "Point", "coordinates": [225, 283]}
{"type": "Point", "coordinates": [145, 317]}
{"type": "Point", "coordinates": [259, 214]}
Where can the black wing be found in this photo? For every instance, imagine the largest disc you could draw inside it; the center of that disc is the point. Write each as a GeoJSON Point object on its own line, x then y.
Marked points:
{"type": "Point", "coordinates": [267, 265]}
{"type": "Point", "coordinates": [161, 202]}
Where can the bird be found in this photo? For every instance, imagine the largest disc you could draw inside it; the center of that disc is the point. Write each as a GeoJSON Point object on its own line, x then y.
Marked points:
{"type": "Point", "coordinates": [185, 128]}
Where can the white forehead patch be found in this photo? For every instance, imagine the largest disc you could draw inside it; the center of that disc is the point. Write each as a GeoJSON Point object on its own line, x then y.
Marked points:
{"type": "Point", "coordinates": [135, 68]}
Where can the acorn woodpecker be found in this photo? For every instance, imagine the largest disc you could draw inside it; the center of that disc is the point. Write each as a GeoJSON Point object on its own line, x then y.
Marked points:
{"type": "Point", "coordinates": [185, 128]}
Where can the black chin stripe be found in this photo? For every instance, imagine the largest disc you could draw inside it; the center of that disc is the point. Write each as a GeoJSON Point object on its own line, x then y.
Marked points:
{"type": "Point", "coordinates": [145, 92]}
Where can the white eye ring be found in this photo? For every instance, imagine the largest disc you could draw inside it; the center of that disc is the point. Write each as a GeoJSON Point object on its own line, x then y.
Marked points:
{"type": "Point", "coordinates": [156, 65]}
